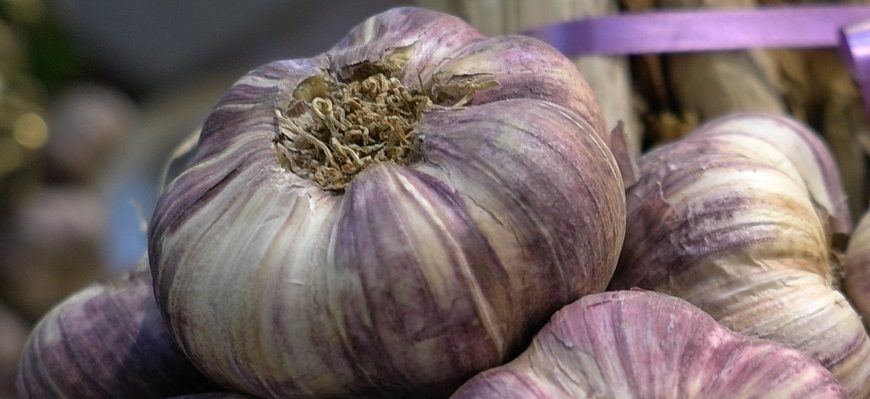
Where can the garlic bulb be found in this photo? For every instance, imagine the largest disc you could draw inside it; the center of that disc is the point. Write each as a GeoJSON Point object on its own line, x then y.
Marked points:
{"type": "Point", "coordinates": [856, 268]}
{"type": "Point", "coordinates": [51, 247]}
{"type": "Point", "coordinates": [106, 341]}
{"type": "Point", "coordinates": [739, 219]}
{"type": "Point", "coordinates": [88, 123]}
{"type": "Point", "coordinates": [388, 218]}
{"type": "Point", "coordinates": [13, 335]}
{"type": "Point", "coordinates": [641, 344]}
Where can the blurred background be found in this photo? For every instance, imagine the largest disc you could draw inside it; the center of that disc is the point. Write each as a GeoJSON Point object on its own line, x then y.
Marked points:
{"type": "Point", "coordinates": [94, 96]}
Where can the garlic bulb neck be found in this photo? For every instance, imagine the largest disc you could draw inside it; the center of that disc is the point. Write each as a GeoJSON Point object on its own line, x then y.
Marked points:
{"type": "Point", "coordinates": [333, 129]}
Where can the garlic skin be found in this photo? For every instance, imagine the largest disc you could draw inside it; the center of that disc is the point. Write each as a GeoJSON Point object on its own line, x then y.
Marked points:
{"type": "Point", "coordinates": [642, 344]}
{"type": "Point", "coordinates": [416, 276]}
{"type": "Point", "coordinates": [106, 341]}
{"type": "Point", "coordinates": [739, 219]}
{"type": "Point", "coordinates": [856, 268]}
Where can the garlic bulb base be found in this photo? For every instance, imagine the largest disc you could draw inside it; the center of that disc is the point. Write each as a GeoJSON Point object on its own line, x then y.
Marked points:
{"type": "Point", "coordinates": [333, 129]}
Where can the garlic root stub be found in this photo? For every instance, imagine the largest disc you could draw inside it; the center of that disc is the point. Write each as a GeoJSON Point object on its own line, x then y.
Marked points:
{"type": "Point", "coordinates": [856, 268]}
{"type": "Point", "coordinates": [107, 341]}
{"type": "Point", "coordinates": [390, 218]}
{"type": "Point", "coordinates": [739, 219]}
{"type": "Point", "coordinates": [642, 344]}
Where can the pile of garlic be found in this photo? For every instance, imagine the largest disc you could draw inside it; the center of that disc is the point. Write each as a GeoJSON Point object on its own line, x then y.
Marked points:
{"type": "Point", "coordinates": [406, 214]}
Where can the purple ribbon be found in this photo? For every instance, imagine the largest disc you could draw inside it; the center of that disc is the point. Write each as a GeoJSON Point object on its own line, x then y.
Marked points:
{"type": "Point", "coordinates": [846, 27]}
{"type": "Point", "coordinates": [855, 49]}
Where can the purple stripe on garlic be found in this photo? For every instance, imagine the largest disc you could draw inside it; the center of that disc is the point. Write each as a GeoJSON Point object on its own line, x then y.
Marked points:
{"type": "Point", "coordinates": [107, 341]}
{"type": "Point", "coordinates": [525, 69]}
{"type": "Point", "coordinates": [740, 219]}
{"type": "Point", "coordinates": [808, 154]}
{"type": "Point", "coordinates": [413, 40]}
{"type": "Point", "coordinates": [388, 218]}
{"type": "Point", "coordinates": [642, 344]}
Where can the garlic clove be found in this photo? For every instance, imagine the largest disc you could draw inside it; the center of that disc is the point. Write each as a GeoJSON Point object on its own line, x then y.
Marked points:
{"type": "Point", "coordinates": [511, 67]}
{"type": "Point", "coordinates": [253, 109]}
{"type": "Point", "coordinates": [436, 292]}
{"type": "Point", "coordinates": [281, 278]}
{"type": "Point", "coordinates": [238, 300]}
{"type": "Point", "coordinates": [409, 41]}
{"type": "Point", "coordinates": [106, 341]}
{"type": "Point", "coordinates": [527, 176]}
{"type": "Point", "coordinates": [807, 153]}
{"type": "Point", "coordinates": [641, 344]}
{"type": "Point", "coordinates": [700, 197]}
{"type": "Point", "coordinates": [455, 266]}
{"type": "Point", "coordinates": [856, 268]}
{"type": "Point", "coordinates": [250, 109]}
{"type": "Point", "coordinates": [730, 221]}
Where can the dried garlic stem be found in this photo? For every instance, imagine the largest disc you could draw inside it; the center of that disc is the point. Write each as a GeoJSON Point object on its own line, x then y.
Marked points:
{"type": "Point", "coordinates": [356, 124]}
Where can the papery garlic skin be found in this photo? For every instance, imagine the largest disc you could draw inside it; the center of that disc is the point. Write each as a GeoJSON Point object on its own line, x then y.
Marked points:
{"type": "Point", "coordinates": [739, 219]}
{"type": "Point", "coordinates": [106, 341]}
{"type": "Point", "coordinates": [641, 344]}
{"type": "Point", "coordinates": [856, 268]}
{"type": "Point", "coordinates": [416, 277]}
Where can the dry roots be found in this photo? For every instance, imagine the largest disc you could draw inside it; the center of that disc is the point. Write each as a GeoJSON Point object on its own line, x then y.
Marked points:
{"type": "Point", "coordinates": [350, 126]}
